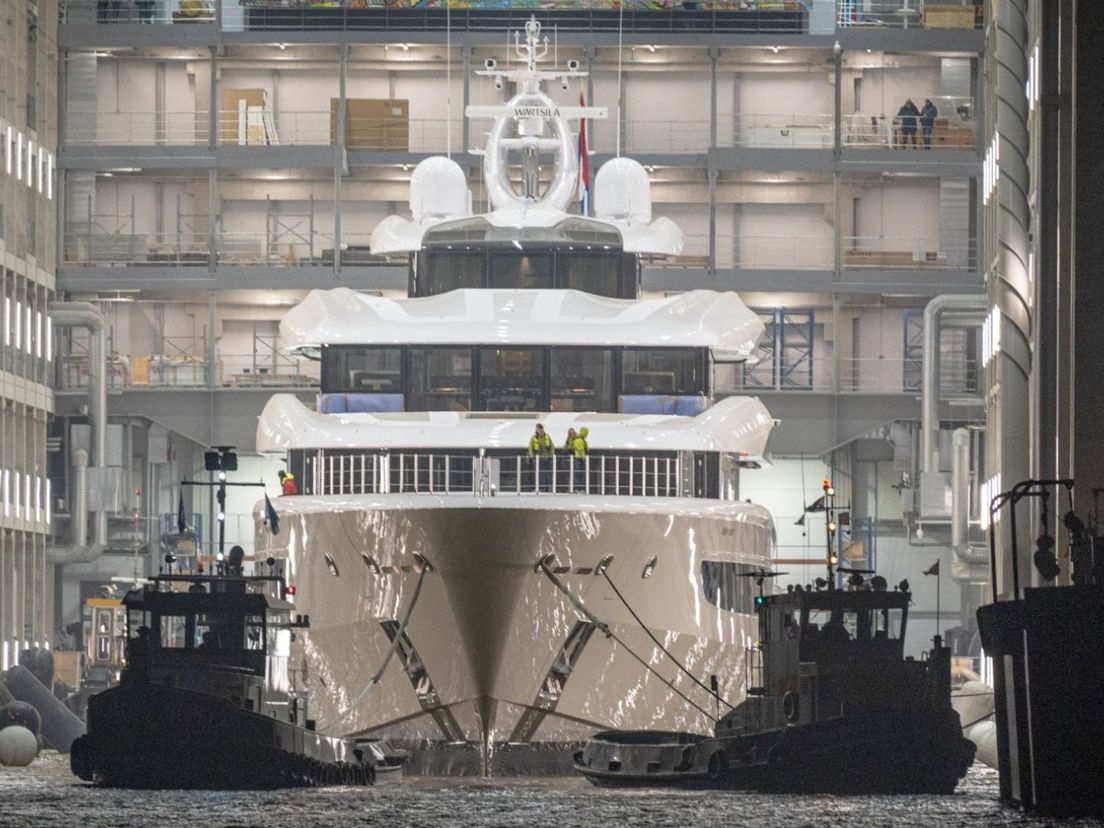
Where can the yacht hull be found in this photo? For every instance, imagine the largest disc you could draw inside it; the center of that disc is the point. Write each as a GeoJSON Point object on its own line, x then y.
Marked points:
{"type": "Point", "coordinates": [485, 646]}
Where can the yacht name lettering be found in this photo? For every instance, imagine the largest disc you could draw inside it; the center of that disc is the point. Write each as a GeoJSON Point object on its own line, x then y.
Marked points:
{"type": "Point", "coordinates": [536, 112]}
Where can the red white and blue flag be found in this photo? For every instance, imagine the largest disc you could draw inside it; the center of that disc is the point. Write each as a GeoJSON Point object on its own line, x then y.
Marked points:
{"type": "Point", "coordinates": [584, 164]}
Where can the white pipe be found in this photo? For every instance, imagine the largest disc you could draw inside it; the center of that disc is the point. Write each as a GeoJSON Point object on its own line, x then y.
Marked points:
{"type": "Point", "coordinates": [960, 488]}
{"type": "Point", "coordinates": [78, 499]}
{"type": "Point", "coordinates": [79, 550]}
{"type": "Point", "coordinates": [87, 315]}
{"type": "Point", "coordinates": [929, 415]}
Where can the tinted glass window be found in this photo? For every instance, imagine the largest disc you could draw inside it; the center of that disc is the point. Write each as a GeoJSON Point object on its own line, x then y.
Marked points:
{"type": "Point", "coordinates": [656, 371]}
{"type": "Point", "coordinates": [440, 271]}
{"type": "Point", "coordinates": [362, 370]}
{"type": "Point", "coordinates": [727, 586]}
{"type": "Point", "coordinates": [511, 379]}
{"type": "Point", "coordinates": [440, 379]}
{"type": "Point", "coordinates": [582, 380]}
{"type": "Point", "coordinates": [528, 271]}
{"type": "Point", "coordinates": [592, 273]}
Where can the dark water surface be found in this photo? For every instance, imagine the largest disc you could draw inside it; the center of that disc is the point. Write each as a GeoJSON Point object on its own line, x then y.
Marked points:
{"type": "Point", "coordinates": [46, 794]}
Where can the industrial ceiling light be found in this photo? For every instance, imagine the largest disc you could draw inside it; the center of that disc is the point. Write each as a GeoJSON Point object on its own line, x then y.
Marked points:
{"type": "Point", "coordinates": [775, 49]}
{"type": "Point", "coordinates": [281, 46]}
{"type": "Point", "coordinates": [651, 48]}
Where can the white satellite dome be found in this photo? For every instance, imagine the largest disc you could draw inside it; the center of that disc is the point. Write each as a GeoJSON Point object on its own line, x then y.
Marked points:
{"type": "Point", "coordinates": [622, 192]}
{"type": "Point", "coordinates": [439, 190]}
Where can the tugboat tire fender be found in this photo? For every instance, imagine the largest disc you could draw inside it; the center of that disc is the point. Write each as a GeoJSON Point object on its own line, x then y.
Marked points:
{"type": "Point", "coordinates": [791, 706]}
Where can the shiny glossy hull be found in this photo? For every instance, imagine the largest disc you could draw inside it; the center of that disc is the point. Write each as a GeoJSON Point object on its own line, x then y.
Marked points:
{"type": "Point", "coordinates": [495, 650]}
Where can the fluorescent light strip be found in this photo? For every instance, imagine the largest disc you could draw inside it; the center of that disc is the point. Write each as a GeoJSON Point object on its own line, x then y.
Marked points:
{"type": "Point", "coordinates": [27, 346]}
{"type": "Point", "coordinates": [7, 321]}
{"type": "Point", "coordinates": [40, 167]}
{"type": "Point", "coordinates": [19, 155]}
{"type": "Point", "coordinates": [9, 147]}
{"type": "Point", "coordinates": [30, 162]}
{"type": "Point", "coordinates": [50, 176]}
{"type": "Point", "coordinates": [38, 334]}
{"type": "Point", "coordinates": [49, 508]}
{"type": "Point", "coordinates": [49, 339]}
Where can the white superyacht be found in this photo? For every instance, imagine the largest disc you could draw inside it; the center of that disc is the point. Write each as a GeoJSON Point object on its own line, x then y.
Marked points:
{"type": "Point", "coordinates": [466, 597]}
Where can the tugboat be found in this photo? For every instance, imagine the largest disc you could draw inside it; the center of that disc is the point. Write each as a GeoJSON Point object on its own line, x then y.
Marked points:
{"type": "Point", "coordinates": [207, 698]}
{"type": "Point", "coordinates": [833, 706]}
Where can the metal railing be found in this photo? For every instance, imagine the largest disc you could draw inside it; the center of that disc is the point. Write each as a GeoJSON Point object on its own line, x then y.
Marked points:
{"type": "Point", "coordinates": [139, 128]}
{"type": "Point", "coordinates": [639, 16]}
{"type": "Point", "coordinates": [903, 14]}
{"type": "Point", "coordinates": [138, 11]}
{"type": "Point", "coordinates": [796, 130]}
{"type": "Point", "coordinates": [903, 253]}
{"type": "Point", "coordinates": [959, 375]}
{"type": "Point", "coordinates": [885, 131]}
{"type": "Point", "coordinates": [443, 472]}
{"type": "Point", "coordinates": [289, 246]}
{"type": "Point", "coordinates": [761, 252]}
{"type": "Point", "coordinates": [182, 364]}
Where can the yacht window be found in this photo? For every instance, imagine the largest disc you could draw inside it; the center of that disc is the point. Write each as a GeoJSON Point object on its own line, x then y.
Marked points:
{"type": "Point", "coordinates": [511, 379]}
{"type": "Point", "coordinates": [595, 273]}
{"type": "Point", "coordinates": [727, 585]}
{"type": "Point", "coordinates": [440, 379]}
{"type": "Point", "coordinates": [582, 379]}
{"type": "Point", "coordinates": [443, 270]}
{"type": "Point", "coordinates": [663, 371]}
{"type": "Point", "coordinates": [524, 270]}
{"type": "Point", "coordinates": [364, 370]}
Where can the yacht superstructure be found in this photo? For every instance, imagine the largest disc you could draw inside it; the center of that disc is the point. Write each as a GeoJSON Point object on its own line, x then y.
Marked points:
{"type": "Point", "coordinates": [460, 589]}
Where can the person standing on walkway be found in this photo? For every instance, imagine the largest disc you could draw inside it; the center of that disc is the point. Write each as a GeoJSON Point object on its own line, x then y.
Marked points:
{"type": "Point", "coordinates": [927, 121]}
{"type": "Point", "coordinates": [580, 448]}
{"type": "Point", "coordinates": [542, 452]}
{"type": "Point", "coordinates": [906, 119]}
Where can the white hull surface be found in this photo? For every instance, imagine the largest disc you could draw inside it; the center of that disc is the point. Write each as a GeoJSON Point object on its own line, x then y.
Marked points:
{"type": "Point", "coordinates": [494, 650]}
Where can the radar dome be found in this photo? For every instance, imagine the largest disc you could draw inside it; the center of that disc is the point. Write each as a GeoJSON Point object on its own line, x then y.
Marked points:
{"type": "Point", "coordinates": [439, 190]}
{"type": "Point", "coordinates": [622, 192]}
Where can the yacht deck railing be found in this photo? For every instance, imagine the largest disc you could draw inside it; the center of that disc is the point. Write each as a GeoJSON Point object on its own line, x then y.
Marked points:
{"type": "Point", "coordinates": [486, 474]}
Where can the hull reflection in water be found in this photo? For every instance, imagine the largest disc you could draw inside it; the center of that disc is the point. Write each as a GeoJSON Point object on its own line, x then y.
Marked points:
{"type": "Point", "coordinates": [444, 599]}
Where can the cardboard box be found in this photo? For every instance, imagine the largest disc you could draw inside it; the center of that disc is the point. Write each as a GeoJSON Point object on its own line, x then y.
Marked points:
{"type": "Point", "coordinates": [230, 131]}
{"type": "Point", "coordinates": [948, 17]}
{"type": "Point", "coordinates": [68, 667]}
{"type": "Point", "coordinates": [373, 124]}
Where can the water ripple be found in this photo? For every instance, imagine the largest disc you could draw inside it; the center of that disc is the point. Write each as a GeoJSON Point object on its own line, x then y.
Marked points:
{"type": "Point", "coordinates": [47, 795]}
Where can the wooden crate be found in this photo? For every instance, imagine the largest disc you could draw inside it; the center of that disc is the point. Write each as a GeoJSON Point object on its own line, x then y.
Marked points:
{"type": "Point", "coordinates": [948, 17]}
{"type": "Point", "coordinates": [373, 124]}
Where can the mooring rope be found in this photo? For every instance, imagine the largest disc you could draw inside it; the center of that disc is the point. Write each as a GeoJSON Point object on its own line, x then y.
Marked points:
{"type": "Point", "coordinates": [372, 682]}
{"type": "Point", "coordinates": [664, 650]}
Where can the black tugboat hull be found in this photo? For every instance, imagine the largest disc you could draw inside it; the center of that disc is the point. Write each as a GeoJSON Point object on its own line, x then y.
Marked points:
{"type": "Point", "coordinates": [160, 737]}
{"type": "Point", "coordinates": [890, 753]}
